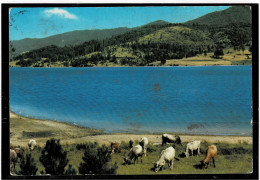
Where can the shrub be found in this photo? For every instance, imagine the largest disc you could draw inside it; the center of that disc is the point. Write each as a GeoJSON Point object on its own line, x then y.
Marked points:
{"type": "Point", "coordinates": [28, 166]}
{"type": "Point", "coordinates": [70, 171]}
{"type": "Point", "coordinates": [53, 158]}
{"type": "Point", "coordinates": [80, 146]}
{"type": "Point", "coordinates": [97, 160]}
{"type": "Point", "coordinates": [26, 134]}
{"type": "Point", "coordinates": [225, 152]}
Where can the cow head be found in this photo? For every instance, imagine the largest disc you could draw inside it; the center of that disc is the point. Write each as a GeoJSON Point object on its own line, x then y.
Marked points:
{"type": "Point", "coordinates": [158, 166]}
{"type": "Point", "coordinates": [127, 160]}
{"type": "Point", "coordinates": [187, 154]}
{"type": "Point", "coordinates": [178, 139]}
{"type": "Point", "coordinates": [204, 164]}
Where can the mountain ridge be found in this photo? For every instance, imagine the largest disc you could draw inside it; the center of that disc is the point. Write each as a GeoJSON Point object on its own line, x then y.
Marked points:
{"type": "Point", "coordinates": [143, 45]}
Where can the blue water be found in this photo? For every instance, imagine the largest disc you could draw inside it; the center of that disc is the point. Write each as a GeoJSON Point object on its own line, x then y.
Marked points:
{"type": "Point", "coordinates": [198, 100]}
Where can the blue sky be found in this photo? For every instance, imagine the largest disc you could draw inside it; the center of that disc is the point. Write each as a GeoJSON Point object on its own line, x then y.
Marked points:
{"type": "Point", "coordinates": [42, 22]}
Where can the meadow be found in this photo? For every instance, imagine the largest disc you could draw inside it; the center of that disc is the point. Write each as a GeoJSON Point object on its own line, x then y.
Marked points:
{"type": "Point", "coordinates": [235, 153]}
{"type": "Point", "coordinates": [231, 159]}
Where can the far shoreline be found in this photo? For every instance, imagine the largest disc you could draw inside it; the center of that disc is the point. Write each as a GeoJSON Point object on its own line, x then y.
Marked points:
{"type": "Point", "coordinates": [133, 66]}
{"type": "Point", "coordinates": [13, 114]}
{"type": "Point", "coordinates": [42, 130]}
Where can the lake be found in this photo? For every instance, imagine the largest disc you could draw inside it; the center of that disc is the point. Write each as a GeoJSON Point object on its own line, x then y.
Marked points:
{"type": "Point", "coordinates": [198, 100]}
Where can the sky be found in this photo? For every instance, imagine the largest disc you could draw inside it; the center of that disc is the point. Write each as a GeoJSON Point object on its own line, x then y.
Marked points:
{"type": "Point", "coordinates": [40, 22]}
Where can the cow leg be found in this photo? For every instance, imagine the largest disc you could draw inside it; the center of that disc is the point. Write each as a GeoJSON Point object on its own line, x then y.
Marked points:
{"type": "Point", "coordinates": [192, 152]}
{"type": "Point", "coordinates": [213, 162]}
{"type": "Point", "coordinates": [172, 164]}
{"type": "Point", "coordinates": [10, 167]}
{"type": "Point", "coordinates": [199, 151]}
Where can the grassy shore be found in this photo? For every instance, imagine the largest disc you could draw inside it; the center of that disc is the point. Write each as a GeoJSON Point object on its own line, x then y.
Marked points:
{"type": "Point", "coordinates": [22, 129]}
{"type": "Point", "coordinates": [234, 152]}
{"type": "Point", "coordinates": [230, 57]}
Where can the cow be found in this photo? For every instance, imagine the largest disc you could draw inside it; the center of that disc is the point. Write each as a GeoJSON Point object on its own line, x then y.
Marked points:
{"type": "Point", "coordinates": [11, 145]}
{"type": "Point", "coordinates": [114, 147]}
{"type": "Point", "coordinates": [135, 152]}
{"type": "Point", "coordinates": [144, 142]}
{"type": "Point", "coordinates": [167, 155]}
{"type": "Point", "coordinates": [131, 142]}
{"type": "Point", "coordinates": [13, 159]}
{"type": "Point", "coordinates": [19, 153]}
{"type": "Point", "coordinates": [211, 155]}
{"type": "Point", "coordinates": [191, 146]}
{"type": "Point", "coordinates": [167, 138]}
{"type": "Point", "coordinates": [32, 144]}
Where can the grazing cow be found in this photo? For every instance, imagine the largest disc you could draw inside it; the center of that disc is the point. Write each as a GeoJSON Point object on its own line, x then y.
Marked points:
{"type": "Point", "coordinates": [167, 155]}
{"type": "Point", "coordinates": [211, 154]}
{"type": "Point", "coordinates": [131, 142]}
{"type": "Point", "coordinates": [114, 147]}
{"type": "Point", "coordinates": [13, 159]}
{"type": "Point", "coordinates": [195, 145]}
{"type": "Point", "coordinates": [11, 145]}
{"type": "Point", "coordinates": [135, 152]}
{"type": "Point", "coordinates": [167, 138]}
{"type": "Point", "coordinates": [144, 142]}
{"type": "Point", "coordinates": [19, 153]}
{"type": "Point", "coordinates": [32, 144]}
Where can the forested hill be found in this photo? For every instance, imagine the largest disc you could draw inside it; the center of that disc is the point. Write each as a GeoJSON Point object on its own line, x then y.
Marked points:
{"type": "Point", "coordinates": [66, 39]}
{"type": "Point", "coordinates": [232, 15]}
{"type": "Point", "coordinates": [157, 41]}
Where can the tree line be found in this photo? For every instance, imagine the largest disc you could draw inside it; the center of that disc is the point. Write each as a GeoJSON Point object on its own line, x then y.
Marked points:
{"type": "Point", "coordinates": [94, 52]}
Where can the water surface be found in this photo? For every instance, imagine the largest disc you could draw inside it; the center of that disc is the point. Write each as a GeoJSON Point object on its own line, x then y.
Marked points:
{"type": "Point", "coordinates": [199, 100]}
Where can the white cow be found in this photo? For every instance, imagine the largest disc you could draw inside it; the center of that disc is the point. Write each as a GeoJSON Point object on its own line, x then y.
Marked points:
{"type": "Point", "coordinates": [167, 155]}
{"type": "Point", "coordinates": [191, 146]}
{"type": "Point", "coordinates": [144, 142]}
{"type": "Point", "coordinates": [135, 152]}
{"type": "Point", "coordinates": [167, 138]}
{"type": "Point", "coordinates": [32, 144]}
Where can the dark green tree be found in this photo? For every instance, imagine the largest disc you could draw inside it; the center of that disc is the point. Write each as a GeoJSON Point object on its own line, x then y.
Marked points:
{"type": "Point", "coordinates": [163, 60]}
{"type": "Point", "coordinates": [70, 170]}
{"type": "Point", "coordinates": [113, 59]}
{"type": "Point", "coordinates": [54, 158]}
{"type": "Point", "coordinates": [218, 53]}
{"type": "Point", "coordinates": [250, 49]}
{"type": "Point", "coordinates": [28, 166]}
{"type": "Point", "coordinates": [97, 160]}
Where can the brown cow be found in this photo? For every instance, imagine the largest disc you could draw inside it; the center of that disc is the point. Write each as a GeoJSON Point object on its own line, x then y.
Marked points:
{"type": "Point", "coordinates": [13, 159]}
{"type": "Point", "coordinates": [19, 153]}
{"type": "Point", "coordinates": [211, 154]}
{"type": "Point", "coordinates": [114, 147]}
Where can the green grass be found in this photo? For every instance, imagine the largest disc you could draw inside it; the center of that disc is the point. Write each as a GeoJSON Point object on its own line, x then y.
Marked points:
{"type": "Point", "coordinates": [26, 134]}
{"type": "Point", "coordinates": [231, 158]}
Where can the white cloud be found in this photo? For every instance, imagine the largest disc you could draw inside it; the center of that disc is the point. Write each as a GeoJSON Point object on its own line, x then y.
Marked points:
{"type": "Point", "coordinates": [60, 12]}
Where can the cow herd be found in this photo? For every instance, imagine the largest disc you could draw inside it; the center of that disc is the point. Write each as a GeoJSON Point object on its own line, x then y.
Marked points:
{"type": "Point", "coordinates": [137, 151]}
{"type": "Point", "coordinates": [16, 153]}
{"type": "Point", "coordinates": [168, 154]}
